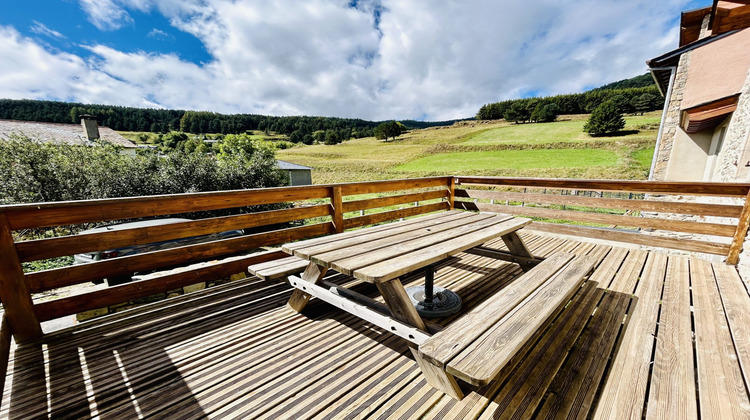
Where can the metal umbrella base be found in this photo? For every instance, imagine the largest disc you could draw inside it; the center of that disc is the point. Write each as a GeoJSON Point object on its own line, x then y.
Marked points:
{"type": "Point", "coordinates": [443, 303]}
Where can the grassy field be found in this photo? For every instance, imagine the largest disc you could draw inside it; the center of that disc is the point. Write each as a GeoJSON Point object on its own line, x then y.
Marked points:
{"type": "Point", "coordinates": [558, 149]}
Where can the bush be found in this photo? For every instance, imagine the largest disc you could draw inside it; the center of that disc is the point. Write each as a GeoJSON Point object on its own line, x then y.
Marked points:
{"type": "Point", "coordinates": [605, 119]}
{"type": "Point", "coordinates": [35, 172]}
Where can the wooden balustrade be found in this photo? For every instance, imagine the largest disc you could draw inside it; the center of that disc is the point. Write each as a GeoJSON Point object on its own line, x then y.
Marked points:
{"type": "Point", "coordinates": [320, 209]}
{"type": "Point", "coordinates": [598, 210]}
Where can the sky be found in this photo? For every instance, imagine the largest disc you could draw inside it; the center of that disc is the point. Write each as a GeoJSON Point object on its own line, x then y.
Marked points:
{"type": "Point", "coordinates": [373, 59]}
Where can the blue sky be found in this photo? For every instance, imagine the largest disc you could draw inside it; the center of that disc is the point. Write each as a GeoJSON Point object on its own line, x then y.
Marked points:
{"type": "Point", "coordinates": [372, 59]}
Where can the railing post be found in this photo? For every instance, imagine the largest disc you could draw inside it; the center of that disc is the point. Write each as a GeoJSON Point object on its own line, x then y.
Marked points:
{"type": "Point", "coordinates": [452, 192]}
{"type": "Point", "coordinates": [337, 202]}
{"type": "Point", "coordinates": [740, 234]}
{"type": "Point", "coordinates": [19, 308]}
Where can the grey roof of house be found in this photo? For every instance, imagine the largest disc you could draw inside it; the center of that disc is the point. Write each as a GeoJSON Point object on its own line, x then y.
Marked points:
{"type": "Point", "coordinates": [58, 133]}
{"type": "Point", "coordinates": [288, 166]}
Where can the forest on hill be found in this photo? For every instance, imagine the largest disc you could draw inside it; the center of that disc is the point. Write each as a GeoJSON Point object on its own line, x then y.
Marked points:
{"type": "Point", "coordinates": [635, 95]}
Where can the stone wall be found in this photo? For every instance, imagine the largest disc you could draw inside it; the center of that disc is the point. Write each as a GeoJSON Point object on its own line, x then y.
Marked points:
{"type": "Point", "coordinates": [671, 119]}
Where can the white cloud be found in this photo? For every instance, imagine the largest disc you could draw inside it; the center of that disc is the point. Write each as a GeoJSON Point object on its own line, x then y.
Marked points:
{"type": "Point", "coordinates": [379, 60]}
{"type": "Point", "coordinates": [42, 29]}
{"type": "Point", "coordinates": [160, 35]}
{"type": "Point", "coordinates": [107, 15]}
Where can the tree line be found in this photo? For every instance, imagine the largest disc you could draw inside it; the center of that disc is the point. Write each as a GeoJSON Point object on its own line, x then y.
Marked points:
{"type": "Point", "coordinates": [630, 100]}
{"type": "Point", "coordinates": [298, 128]}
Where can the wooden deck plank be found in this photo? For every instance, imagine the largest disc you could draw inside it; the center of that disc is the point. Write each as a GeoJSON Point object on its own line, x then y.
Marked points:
{"type": "Point", "coordinates": [720, 382]}
{"type": "Point", "coordinates": [628, 275]}
{"type": "Point", "coordinates": [573, 390]}
{"type": "Point", "coordinates": [624, 393]}
{"type": "Point", "coordinates": [235, 350]}
{"type": "Point", "coordinates": [736, 303]}
{"type": "Point", "coordinates": [447, 344]}
{"type": "Point", "coordinates": [526, 385]}
{"type": "Point", "coordinates": [487, 355]}
{"type": "Point", "coordinates": [672, 393]}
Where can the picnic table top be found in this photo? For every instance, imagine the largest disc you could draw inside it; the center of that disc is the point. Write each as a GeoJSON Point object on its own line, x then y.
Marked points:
{"type": "Point", "coordinates": [382, 253]}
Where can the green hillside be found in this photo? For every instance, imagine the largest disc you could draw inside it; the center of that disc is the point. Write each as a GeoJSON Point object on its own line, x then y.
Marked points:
{"type": "Point", "coordinates": [498, 148]}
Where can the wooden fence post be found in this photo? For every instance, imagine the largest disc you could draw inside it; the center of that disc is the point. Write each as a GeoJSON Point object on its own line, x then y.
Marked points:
{"type": "Point", "coordinates": [19, 309]}
{"type": "Point", "coordinates": [740, 234]}
{"type": "Point", "coordinates": [452, 192]}
{"type": "Point", "coordinates": [337, 202]}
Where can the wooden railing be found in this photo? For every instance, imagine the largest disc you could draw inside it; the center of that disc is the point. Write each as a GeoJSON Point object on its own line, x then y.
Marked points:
{"type": "Point", "coordinates": [319, 210]}
{"type": "Point", "coordinates": [567, 200]}
{"type": "Point", "coordinates": [324, 209]}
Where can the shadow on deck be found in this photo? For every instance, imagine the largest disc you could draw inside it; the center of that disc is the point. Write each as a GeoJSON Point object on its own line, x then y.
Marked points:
{"type": "Point", "coordinates": [237, 351]}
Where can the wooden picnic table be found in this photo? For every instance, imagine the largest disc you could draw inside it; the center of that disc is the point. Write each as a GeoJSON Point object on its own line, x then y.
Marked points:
{"type": "Point", "coordinates": [382, 254]}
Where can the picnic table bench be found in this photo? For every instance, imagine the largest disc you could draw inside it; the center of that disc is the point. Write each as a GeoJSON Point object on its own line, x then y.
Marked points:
{"type": "Point", "coordinates": [475, 347]}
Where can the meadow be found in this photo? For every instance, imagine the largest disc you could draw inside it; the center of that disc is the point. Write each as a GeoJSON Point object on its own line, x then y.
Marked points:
{"type": "Point", "coordinates": [557, 149]}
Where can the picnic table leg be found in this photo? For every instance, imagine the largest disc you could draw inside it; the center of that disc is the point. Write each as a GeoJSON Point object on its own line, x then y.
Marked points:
{"type": "Point", "coordinates": [517, 247]}
{"type": "Point", "coordinates": [314, 274]}
{"type": "Point", "coordinates": [402, 309]}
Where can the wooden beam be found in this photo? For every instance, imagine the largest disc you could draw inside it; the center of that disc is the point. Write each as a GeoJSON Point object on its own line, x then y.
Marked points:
{"type": "Point", "coordinates": [452, 193]}
{"type": "Point", "coordinates": [5, 338]}
{"type": "Point", "coordinates": [605, 219]}
{"type": "Point", "coordinates": [67, 276]}
{"type": "Point", "coordinates": [631, 237]}
{"type": "Point", "coordinates": [688, 188]}
{"type": "Point", "coordinates": [14, 294]}
{"type": "Point", "coordinates": [700, 209]}
{"type": "Point", "coordinates": [372, 203]}
{"type": "Point", "coordinates": [360, 310]}
{"type": "Point", "coordinates": [76, 244]}
{"type": "Point", "coordinates": [313, 274]}
{"type": "Point", "coordinates": [503, 255]}
{"type": "Point", "coordinates": [26, 216]}
{"type": "Point", "coordinates": [394, 215]}
{"type": "Point", "coordinates": [338, 209]}
{"type": "Point", "coordinates": [113, 295]}
{"type": "Point", "coordinates": [740, 234]}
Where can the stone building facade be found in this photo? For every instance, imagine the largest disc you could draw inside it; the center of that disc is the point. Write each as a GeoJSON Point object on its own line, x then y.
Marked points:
{"type": "Point", "coordinates": [705, 129]}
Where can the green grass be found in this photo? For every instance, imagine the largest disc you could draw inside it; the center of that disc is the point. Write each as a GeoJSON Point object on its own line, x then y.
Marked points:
{"type": "Point", "coordinates": [513, 159]}
{"type": "Point", "coordinates": [568, 129]}
{"type": "Point", "coordinates": [644, 156]}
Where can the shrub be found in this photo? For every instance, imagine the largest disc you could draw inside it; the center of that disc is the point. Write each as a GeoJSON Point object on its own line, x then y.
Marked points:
{"type": "Point", "coordinates": [605, 119]}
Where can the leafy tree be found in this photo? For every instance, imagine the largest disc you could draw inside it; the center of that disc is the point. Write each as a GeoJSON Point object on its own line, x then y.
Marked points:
{"type": "Point", "coordinates": [332, 137]}
{"type": "Point", "coordinates": [518, 111]}
{"type": "Point", "coordinates": [545, 112]}
{"type": "Point", "coordinates": [388, 129]}
{"type": "Point", "coordinates": [643, 103]}
{"type": "Point", "coordinates": [605, 119]}
{"type": "Point", "coordinates": [319, 136]}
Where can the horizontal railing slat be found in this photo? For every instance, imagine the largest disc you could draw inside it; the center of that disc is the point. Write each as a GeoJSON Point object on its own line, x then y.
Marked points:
{"type": "Point", "coordinates": [75, 244]}
{"type": "Point", "coordinates": [720, 210]}
{"type": "Point", "coordinates": [395, 214]}
{"type": "Point", "coordinates": [602, 218]}
{"type": "Point", "coordinates": [67, 276]}
{"type": "Point", "coordinates": [393, 185]}
{"type": "Point", "coordinates": [28, 216]}
{"type": "Point", "coordinates": [631, 237]}
{"type": "Point", "coordinates": [689, 188]}
{"type": "Point", "coordinates": [123, 293]}
{"type": "Point", "coordinates": [393, 200]}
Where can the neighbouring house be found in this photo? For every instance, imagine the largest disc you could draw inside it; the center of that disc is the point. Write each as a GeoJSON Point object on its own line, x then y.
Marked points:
{"type": "Point", "coordinates": [88, 133]}
{"type": "Point", "coordinates": [705, 128]}
{"type": "Point", "coordinates": [298, 174]}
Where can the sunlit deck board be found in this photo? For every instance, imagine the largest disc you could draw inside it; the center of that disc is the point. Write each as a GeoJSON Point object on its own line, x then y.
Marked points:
{"type": "Point", "coordinates": [235, 350]}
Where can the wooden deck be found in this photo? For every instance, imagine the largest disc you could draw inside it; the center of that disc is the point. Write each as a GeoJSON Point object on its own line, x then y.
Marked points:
{"type": "Point", "coordinates": [236, 351]}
